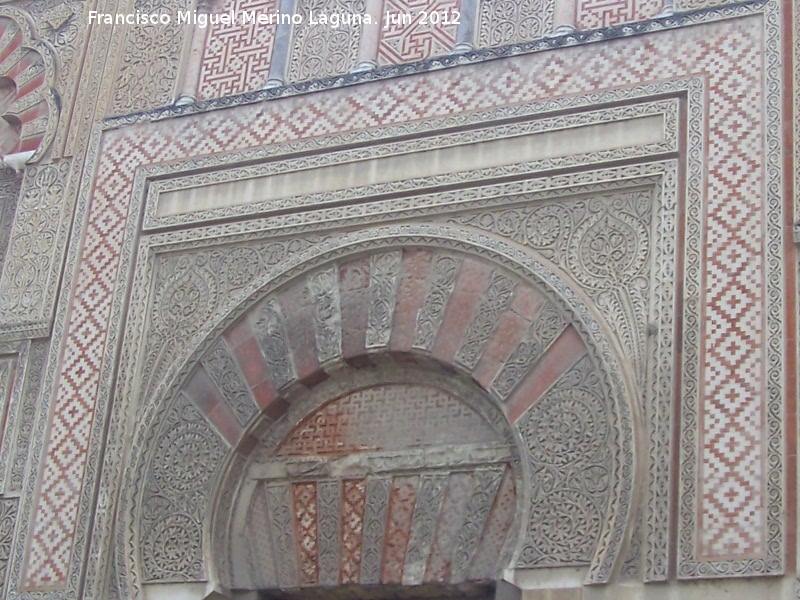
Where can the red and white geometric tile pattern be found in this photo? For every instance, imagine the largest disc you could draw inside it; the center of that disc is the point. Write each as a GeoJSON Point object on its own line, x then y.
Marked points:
{"type": "Point", "coordinates": [402, 498]}
{"type": "Point", "coordinates": [390, 418]}
{"type": "Point", "coordinates": [417, 29]}
{"type": "Point", "coordinates": [237, 56]}
{"type": "Point", "coordinates": [733, 362]}
{"type": "Point", "coordinates": [305, 518]}
{"type": "Point", "coordinates": [728, 54]}
{"type": "Point", "coordinates": [354, 497]}
{"type": "Point", "coordinates": [593, 14]}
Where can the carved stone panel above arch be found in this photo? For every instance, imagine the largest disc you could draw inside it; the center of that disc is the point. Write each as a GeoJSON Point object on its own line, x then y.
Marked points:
{"type": "Point", "coordinates": [319, 49]}
{"type": "Point", "coordinates": [148, 69]}
{"type": "Point", "coordinates": [603, 241]}
{"type": "Point", "coordinates": [512, 21]}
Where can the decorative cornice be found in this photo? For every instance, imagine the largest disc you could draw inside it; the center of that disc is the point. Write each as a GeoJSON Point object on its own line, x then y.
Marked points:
{"type": "Point", "coordinates": [544, 44]}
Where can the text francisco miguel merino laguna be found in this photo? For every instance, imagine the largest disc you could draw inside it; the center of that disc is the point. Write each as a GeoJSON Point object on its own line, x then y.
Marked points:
{"type": "Point", "coordinates": [252, 17]}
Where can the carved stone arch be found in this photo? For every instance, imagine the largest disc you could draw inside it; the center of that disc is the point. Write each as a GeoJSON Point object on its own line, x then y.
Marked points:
{"type": "Point", "coordinates": [29, 103]}
{"type": "Point", "coordinates": [523, 334]}
{"type": "Point", "coordinates": [396, 474]}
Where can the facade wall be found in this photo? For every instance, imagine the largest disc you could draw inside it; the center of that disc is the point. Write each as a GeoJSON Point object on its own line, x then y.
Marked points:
{"type": "Point", "coordinates": [563, 232]}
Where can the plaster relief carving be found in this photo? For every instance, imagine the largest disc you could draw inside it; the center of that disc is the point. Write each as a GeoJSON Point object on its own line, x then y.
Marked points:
{"type": "Point", "coordinates": [512, 21]}
{"type": "Point", "coordinates": [603, 242]}
{"type": "Point", "coordinates": [149, 68]}
{"type": "Point", "coordinates": [9, 192]}
{"type": "Point", "coordinates": [548, 324]}
{"type": "Point", "coordinates": [430, 314]}
{"type": "Point", "coordinates": [271, 332]}
{"type": "Point", "coordinates": [319, 50]}
{"type": "Point", "coordinates": [570, 445]}
{"type": "Point", "coordinates": [495, 300]}
{"type": "Point", "coordinates": [185, 455]}
{"type": "Point", "coordinates": [222, 272]}
{"type": "Point", "coordinates": [665, 314]}
{"type": "Point", "coordinates": [324, 288]}
{"type": "Point", "coordinates": [227, 375]}
{"type": "Point", "coordinates": [8, 520]}
{"type": "Point", "coordinates": [27, 413]}
{"type": "Point", "coordinates": [29, 279]}
{"type": "Point", "coordinates": [382, 294]}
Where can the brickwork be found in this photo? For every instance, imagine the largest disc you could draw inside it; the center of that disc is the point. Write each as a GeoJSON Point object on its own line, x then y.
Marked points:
{"type": "Point", "coordinates": [605, 13]}
{"type": "Point", "coordinates": [430, 30]}
{"type": "Point", "coordinates": [354, 496]}
{"type": "Point", "coordinates": [387, 418]}
{"type": "Point", "coordinates": [305, 515]}
{"type": "Point", "coordinates": [237, 56]}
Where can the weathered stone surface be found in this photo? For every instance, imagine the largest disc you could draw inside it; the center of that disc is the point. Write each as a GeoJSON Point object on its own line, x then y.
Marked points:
{"type": "Point", "coordinates": [418, 304]}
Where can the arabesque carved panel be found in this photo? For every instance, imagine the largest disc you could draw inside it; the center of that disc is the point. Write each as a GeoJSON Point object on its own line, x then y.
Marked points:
{"type": "Point", "coordinates": [320, 50]}
{"type": "Point", "coordinates": [29, 280]}
{"type": "Point", "coordinates": [174, 496]}
{"type": "Point", "coordinates": [570, 447]}
{"type": "Point", "coordinates": [148, 71]}
{"type": "Point", "coordinates": [512, 21]}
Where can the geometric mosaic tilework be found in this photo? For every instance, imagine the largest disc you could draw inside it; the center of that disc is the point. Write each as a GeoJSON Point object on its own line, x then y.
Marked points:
{"type": "Point", "coordinates": [593, 14]}
{"type": "Point", "coordinates": [65, 458]}
{"type": "Point", "coordinates": [354, 494]}
{"type": "Point", "coordinates": [237, 56]}
{"type": "Point", "coordinates": [305, 515]}
{"type": "Point", "coordinates": [732, 468]}
{"type": "Point", "coordinates": [735, 236]}
{"type": "Point", "coordinates": [417, 29]}
{"type": "Point", "coordinates": [376, 418]}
